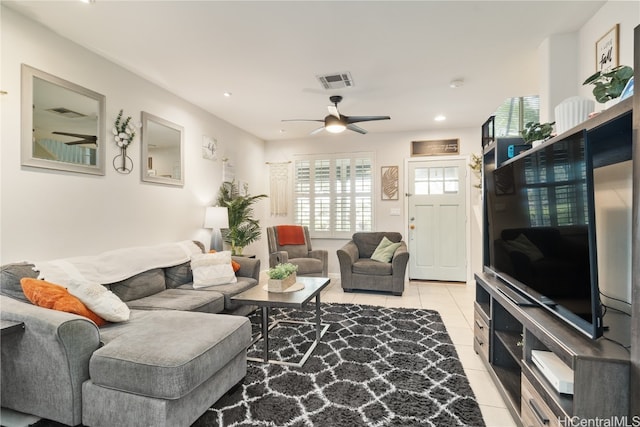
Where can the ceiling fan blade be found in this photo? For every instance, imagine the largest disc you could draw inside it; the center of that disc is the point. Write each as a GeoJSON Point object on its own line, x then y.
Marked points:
{"type": "Point", "coordinates": [355, 128]}
{"type": "Point", "coordinates": [356, 119]}
{"type": "Point", "coordinates": [92, 138]}
{"type": "Point", "coordinates": [333, 110]}
{"type": "Point", "coordinates": [82, 141]}
{"type": "Point", "coordinates": [320, 129]}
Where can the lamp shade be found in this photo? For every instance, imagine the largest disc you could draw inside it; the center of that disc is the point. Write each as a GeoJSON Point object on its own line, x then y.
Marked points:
{"type": "Point", "coordinates": [216, 217]}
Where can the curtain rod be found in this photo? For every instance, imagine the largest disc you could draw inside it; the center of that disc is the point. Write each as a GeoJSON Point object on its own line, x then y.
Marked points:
{"type": "Point", "coordinates": [276, 163]}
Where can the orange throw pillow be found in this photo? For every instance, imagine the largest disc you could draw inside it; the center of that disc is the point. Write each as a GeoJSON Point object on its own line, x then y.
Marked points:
{"type": "Point", "coordinates": [234, 264]}
{"type": "Point", "coordinates": [48, 295]}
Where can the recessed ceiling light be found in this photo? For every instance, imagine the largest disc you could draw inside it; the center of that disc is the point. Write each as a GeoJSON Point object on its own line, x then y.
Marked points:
{"type": "Point", "coordinates": [227, 94]}
{"type": "Point", "coordinates": [456, 83]}
{"type": "Point", "coordinates": [88, 1]}
{"type": "Point", "coordinates": [440, 118]}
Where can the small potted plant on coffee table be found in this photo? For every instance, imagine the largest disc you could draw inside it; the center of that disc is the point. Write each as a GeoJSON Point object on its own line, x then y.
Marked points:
{"type": "Point", "coordinates": [281, 277]}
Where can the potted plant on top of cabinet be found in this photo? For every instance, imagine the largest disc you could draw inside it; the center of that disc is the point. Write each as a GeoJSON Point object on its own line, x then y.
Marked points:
{"type": "Point", "coordinates": [609, 85]}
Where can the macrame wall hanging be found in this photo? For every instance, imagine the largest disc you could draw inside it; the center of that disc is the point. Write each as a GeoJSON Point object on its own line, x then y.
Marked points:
{"type": "Point", "coordinates": [279, 180]}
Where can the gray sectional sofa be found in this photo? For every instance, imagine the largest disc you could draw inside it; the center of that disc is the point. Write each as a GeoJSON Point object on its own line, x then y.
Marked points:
{"type": "Point", "coordinates": [178, 353]}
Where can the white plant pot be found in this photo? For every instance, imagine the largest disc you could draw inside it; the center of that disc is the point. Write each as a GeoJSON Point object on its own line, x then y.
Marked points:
{"type": "Point", "coordinates": [571, 112]}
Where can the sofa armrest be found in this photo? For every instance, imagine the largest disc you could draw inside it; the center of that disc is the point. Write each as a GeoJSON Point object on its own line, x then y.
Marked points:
{"type": "Point", "coordinates": [278, 257]}
{"type": "Point", "coordinates": [347, 255]}
{"type": "Point", "coordinates": [400, 259]}
{"type": "Point", "coordinates": [323, 256]}
{"type": "Point", "coordinates": [50, 357]}
{"type": "Point", "coordinates": [249, 267]}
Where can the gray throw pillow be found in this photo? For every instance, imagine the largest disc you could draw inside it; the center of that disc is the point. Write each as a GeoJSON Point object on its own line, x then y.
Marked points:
{"type": "Point", "coordinates": [525, 246]}
{"type": "Point", "coordinates": [10, 279]}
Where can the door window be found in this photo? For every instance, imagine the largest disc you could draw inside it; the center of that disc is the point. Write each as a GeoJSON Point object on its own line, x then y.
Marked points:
{"type": "Point", "coordinates": [436, 180]}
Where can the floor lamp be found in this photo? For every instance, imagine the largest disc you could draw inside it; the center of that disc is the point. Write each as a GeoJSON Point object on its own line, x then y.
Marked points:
{"type": "Point", "coordinates": [216, 218]}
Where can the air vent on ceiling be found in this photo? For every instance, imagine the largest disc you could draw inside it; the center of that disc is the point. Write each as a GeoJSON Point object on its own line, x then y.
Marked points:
{"type": "Point", "coordinates": [336, 80]}
{"type": "Point", "coordinates": [70, 114]}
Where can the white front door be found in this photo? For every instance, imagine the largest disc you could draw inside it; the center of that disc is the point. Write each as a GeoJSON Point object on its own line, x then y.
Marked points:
{"type": "Point", "coordinates": [437, 220]}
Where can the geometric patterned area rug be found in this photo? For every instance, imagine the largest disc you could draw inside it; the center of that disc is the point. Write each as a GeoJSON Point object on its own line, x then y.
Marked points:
{"type": "Point", "coordinates": [375, 366]}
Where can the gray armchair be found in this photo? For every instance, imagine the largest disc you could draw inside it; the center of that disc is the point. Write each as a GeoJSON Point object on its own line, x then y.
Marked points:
{"type": "Point", "coordinates": [359, 271]}
{"type": "Point", "coordinates": [291, 243]}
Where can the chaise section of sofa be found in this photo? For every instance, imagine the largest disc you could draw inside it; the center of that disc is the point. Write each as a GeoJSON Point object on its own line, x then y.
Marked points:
{"type": "Point", "coordinates": [166, 370]}
{"type": "Point", "coordinates": [165, 366]}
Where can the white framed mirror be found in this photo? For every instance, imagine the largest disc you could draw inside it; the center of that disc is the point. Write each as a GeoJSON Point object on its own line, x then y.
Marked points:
{"type": "Point", "coordinates": [162, 151]}
{"type": "Point", "coordinates": [63, 124]}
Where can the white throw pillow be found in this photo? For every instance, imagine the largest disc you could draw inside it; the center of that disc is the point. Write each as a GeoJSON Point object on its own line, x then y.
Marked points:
{"type": "Point", "coordinates": [212, 269]}
{"type": "Point", "coordinates": [100, 300]}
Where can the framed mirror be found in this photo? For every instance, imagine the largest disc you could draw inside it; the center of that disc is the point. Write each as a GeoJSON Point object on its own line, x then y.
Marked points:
{"type": "Point", "coordinates": [63, 124]}
{"type": "Point", "coordinates": [162, 151]}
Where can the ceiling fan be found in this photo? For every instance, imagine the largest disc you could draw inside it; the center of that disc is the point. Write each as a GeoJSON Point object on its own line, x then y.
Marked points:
{"type": "Point", "coordinates": [336, 122]}
{"type": "Point", "coordinates": [86, 139]}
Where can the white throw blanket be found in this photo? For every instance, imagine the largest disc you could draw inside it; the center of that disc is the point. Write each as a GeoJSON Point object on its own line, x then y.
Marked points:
{"type": "Point", "coordinates": [116, 265]}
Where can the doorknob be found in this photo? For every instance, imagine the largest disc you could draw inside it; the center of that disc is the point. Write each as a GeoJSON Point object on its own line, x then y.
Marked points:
{"type": "Point", "coordinates": [412, 227]}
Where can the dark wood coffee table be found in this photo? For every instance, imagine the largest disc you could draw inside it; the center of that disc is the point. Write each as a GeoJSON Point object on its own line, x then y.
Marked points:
{"type": "Point", "coordinates": [296, 299]}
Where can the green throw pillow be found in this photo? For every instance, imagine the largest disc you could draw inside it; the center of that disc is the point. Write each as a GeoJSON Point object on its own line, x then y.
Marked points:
{"type": "Point", "coordinates": [385, 250]}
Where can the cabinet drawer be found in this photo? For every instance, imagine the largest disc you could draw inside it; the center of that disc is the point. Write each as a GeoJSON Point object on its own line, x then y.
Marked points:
{"type": "Point", "coordinates": [534, 412]}
{"type": "Point", "coordinates": [480, 335]}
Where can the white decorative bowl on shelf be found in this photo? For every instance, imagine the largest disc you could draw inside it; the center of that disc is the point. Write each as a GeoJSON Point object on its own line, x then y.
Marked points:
{"type": "Point", "coordinates": [571, 112]}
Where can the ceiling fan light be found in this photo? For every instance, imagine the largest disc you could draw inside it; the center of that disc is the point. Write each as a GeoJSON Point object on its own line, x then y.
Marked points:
{"type": "Point", "coordinates": [335, 128]}
{"type": "Point", "coordinates": [334, 125]}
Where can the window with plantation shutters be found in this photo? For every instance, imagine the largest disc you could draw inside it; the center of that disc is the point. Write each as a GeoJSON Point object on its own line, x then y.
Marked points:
{"type": "Point", "coordinates": [333, 195]}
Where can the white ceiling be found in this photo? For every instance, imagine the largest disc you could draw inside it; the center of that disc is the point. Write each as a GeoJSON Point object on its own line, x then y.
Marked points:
{"type": "Point", "coordinates": [401, 55]}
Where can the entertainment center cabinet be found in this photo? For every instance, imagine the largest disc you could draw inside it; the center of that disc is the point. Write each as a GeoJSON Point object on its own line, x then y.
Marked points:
{"type": "Point", "coordinates": [605, 371]}
{"type": "Point", "coordinates": [505, 335]}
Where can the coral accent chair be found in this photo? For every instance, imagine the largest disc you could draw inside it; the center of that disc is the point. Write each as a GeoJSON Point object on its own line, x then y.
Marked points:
{"type": "Point", "coordinates": [291, 243]}
{"type": "Point", "coordinates": [359, 271]}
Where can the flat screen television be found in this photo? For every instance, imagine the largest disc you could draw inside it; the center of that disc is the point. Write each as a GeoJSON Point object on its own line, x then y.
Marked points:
{"type": "Point", "coordinates": [541, 225]}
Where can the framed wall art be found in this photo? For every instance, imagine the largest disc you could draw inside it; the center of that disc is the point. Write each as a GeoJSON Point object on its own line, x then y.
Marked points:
{"type": "Point", "coordinates": [389, 182]}
{"type": "Point", "coordinates": [607, 50]}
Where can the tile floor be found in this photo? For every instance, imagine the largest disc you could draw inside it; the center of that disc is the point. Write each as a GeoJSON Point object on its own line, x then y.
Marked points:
{"type": "Point", "coordinates": [454, 302]}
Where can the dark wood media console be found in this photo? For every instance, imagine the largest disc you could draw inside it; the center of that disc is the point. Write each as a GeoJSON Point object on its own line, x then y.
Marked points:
{"type": "Point", "coordinates": [505, 335]}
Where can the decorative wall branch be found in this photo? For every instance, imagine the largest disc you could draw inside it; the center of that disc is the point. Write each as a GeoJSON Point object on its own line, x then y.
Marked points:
{"type": "Point", "coordinates": [123, 133]}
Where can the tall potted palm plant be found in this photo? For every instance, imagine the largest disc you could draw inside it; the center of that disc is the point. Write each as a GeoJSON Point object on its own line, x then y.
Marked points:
{"type": "Point", "coordinates": [243, 228]}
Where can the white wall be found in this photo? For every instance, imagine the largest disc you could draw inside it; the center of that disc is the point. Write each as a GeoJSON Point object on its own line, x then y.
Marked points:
{"type": "Point", "coordinates": [47, 214]}
{"type": "Point", "coordinates": [391, 149]}
{"type": "Point", "coordinates": [613, 184]}
{"type": "Point", "coordinates": [625, 13]}
{"type": "Point", "coordinates": [566, 60]}
{"type": "Point", "coordinates": [558, 62]}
